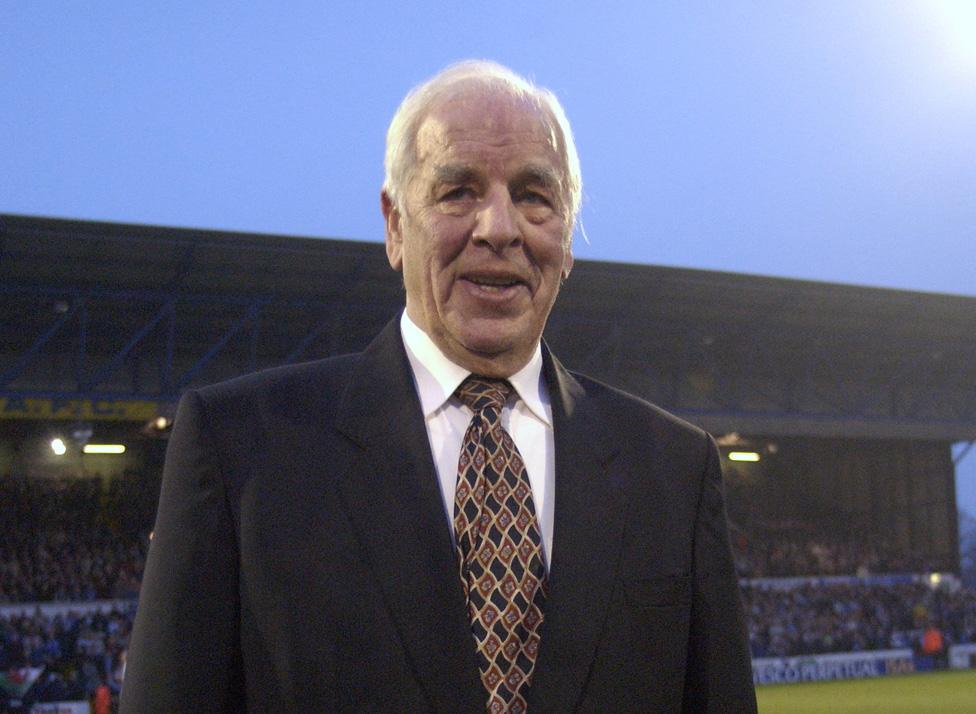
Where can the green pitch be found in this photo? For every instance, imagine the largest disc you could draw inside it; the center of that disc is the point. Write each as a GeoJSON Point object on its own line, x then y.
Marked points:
{"type": "Point", "coordinates": [935, 692]}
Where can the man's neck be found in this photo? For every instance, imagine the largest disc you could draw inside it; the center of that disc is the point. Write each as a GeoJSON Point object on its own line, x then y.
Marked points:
{"type": "Point", "coordinates": [437, 376]}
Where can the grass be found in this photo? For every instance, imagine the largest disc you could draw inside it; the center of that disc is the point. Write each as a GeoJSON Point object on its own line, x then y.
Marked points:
{"type": "Point", "coordinates": [933, 692]}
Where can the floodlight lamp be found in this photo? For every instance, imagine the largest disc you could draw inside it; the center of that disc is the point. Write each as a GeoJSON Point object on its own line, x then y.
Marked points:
{"type": "Point", "coordinates": [743, 456]}
{"type": "Point", "coordinates": [104, 449]}
{"type": "Point", "coordinates": [58, 447]}
{"type": "Point", "coordinates": [935, 579]}
{"type": "Point", "coordinates": [161, 422]}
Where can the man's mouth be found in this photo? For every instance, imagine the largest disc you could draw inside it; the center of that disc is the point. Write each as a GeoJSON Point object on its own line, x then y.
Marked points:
{"type": "Point", "coordinates": [494, 283]}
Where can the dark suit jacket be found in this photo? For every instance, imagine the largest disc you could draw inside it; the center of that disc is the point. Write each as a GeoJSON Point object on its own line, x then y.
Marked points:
{"type": "Point", "coordinates": [302, 560]}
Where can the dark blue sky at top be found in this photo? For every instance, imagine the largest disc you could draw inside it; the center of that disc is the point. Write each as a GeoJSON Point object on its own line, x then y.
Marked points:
{"type": "Point", "coordinates": [831, 140]}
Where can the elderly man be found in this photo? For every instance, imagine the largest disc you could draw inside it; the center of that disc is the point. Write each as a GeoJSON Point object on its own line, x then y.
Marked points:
{"type": "Point", "coordinates": [448, 521]}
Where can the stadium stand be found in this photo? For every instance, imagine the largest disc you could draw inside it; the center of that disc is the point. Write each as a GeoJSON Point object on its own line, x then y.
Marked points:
{"type": "Point", "coordinates": [70, 539]}
{"type": "Point", "coordinates": [795, 552]}
{"type": "Point", "coordinates": [849, 397]}
{"type": "Point", "coordinates": [855, 616]}
{"type": "Point", "coordinates": [62, 657]}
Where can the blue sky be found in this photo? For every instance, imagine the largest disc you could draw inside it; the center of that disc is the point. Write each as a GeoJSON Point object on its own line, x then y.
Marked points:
{"type": "Point", "coordinates": [828, 140]}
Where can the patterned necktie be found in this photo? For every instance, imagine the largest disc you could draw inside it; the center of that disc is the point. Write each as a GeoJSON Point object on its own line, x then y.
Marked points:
{"type": "Point", "coordinates": [499, 548]}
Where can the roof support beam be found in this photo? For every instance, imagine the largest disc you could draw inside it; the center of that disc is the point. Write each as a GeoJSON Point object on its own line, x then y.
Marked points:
{"type": "Point", "coordinates": [962, 454]}
{"type": "Point", "coordinates": [331, 323]}
{"type": "Point", "coordinates": [25, 359]}
{"type": "Point", "coordinates": [82, 346]}
{"type": "Point", "coordinates": [250, 314]}
{"type": "Point", "coordinates": [166, 368]}
{"type": "Point", "coordinates": [609, 345]}
{"type": "Point", "coordinates": [113, 365]}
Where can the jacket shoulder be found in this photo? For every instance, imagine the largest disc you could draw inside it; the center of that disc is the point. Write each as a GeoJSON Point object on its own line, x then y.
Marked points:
{"type": "Point", "coordinates": [295, 388]}
{"type": "Point", "coordinates": [620, 406]}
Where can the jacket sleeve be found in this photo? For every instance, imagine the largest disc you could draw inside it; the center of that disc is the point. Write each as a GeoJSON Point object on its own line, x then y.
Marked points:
{"type": "Point", "coordinates": [719, 672]}
{"type": "Point", "coordinates": [184, 654]}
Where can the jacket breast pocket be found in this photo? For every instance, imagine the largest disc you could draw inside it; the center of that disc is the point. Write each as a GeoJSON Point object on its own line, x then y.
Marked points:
{"type": "Point", "coordinates": [640, 661]}
{"type": "Point", "coordinates": [658, 591]}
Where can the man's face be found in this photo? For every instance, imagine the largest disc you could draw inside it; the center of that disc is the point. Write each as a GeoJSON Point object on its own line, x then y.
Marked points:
{"type": "Point", "coordinates": [483, 235]}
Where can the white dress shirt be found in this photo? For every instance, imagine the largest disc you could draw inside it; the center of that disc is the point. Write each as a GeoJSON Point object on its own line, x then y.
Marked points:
{"type": "Point", "coordinates": [527, 417]}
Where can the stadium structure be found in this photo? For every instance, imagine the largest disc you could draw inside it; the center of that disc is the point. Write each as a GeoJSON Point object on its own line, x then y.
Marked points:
{"type": "Point", "coordinates": [850, 397]}
{"type": "Point", "coordinates": [835, 406]}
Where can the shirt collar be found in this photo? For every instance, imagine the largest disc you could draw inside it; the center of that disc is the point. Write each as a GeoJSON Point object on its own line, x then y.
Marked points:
{"type": "Point", "coordinates": [438, 377]}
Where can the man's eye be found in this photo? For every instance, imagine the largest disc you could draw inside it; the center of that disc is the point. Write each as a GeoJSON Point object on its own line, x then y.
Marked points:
{"type": "Point", "coordinates": [458, 194]}
{"type": "Point", "coordinates": [534, 197]}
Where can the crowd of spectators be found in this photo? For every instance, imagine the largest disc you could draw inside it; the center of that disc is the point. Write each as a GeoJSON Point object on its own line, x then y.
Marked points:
{"type": "Point", "coordinates": [77, 652]}
{"type": "Point", "coordinates": [854, 616]}
{"type": "Point", "coordinates": [799, 553]}
{"type": "Point", "coordinates": [80, 651]}
{"type": "Point", "coordinates": [81, 539]}
{"type": "Point", "coordinates": [72, 539]}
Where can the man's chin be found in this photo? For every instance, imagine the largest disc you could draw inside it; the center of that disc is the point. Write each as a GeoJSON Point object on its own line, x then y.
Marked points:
{"type": "Point", "coordinates": [491, 349]}
{"type": "Point", "coordinates": [489, 338]}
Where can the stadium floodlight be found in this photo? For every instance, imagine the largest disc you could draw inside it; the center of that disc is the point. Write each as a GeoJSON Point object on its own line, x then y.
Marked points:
{"type": "Point", "coordinates": [743, 456]}
{"type": "Point", "coordinates": [161, 422]}
{"type": "Point", "coordinates": [58, 447]}
{"type": "Point", "coordinates": [104, 449]}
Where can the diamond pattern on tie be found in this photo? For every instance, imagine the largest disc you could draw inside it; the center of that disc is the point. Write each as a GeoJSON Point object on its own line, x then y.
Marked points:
{"type": "Point", "coordinates": [499, 548]}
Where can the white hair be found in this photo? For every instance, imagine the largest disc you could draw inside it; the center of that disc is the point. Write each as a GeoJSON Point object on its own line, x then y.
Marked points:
{"type": "Point", "coordinates": [485, 77]}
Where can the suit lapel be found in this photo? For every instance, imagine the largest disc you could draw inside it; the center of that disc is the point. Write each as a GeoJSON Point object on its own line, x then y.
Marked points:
{"type": "Point", "coordinates": [393, 498]}
{"type": "Point", "coordinates": [586, 544]}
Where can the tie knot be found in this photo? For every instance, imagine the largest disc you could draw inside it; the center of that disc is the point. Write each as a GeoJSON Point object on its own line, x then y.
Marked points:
{"type": "Point", "coordinates": [480, 392]}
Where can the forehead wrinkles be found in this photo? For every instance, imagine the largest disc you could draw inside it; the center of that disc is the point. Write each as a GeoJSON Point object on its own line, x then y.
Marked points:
{"type": "Point", "coordinates": [525, 148]}
{"type": "Point", "coordinates": [465, 121]}
{"type": "Point", "coordinates": [446, 139]}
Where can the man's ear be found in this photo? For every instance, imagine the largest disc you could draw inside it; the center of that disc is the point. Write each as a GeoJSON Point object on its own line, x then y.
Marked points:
{"type": "Point", "coordinates": [568, 262]}
{"type": "Point", "coordinates": [394, 238]}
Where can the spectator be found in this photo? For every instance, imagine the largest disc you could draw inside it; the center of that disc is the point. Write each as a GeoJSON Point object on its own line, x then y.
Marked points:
{"type": "Point", "coordinates": [933, 644]}
{"type": "Point", "coordinates": [815, 619]}
{"type": "Point", "coordinates": [67, 540]}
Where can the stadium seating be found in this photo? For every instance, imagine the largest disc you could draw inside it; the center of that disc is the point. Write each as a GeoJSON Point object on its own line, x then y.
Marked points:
{"type": "Point", "coordinates": [84, 540]}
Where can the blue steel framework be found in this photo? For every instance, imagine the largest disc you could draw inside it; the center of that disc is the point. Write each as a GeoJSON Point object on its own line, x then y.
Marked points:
{"type": "Point", "coordinates": [107, 312]}
{"type": "Point", "coordinates": [147, 312]}
{"type": "Point", "coordinates": [93, 373]}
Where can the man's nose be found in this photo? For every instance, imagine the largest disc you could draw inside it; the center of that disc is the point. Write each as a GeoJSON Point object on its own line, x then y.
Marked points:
{"type": "Point", "coordinates": [496, 222]}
